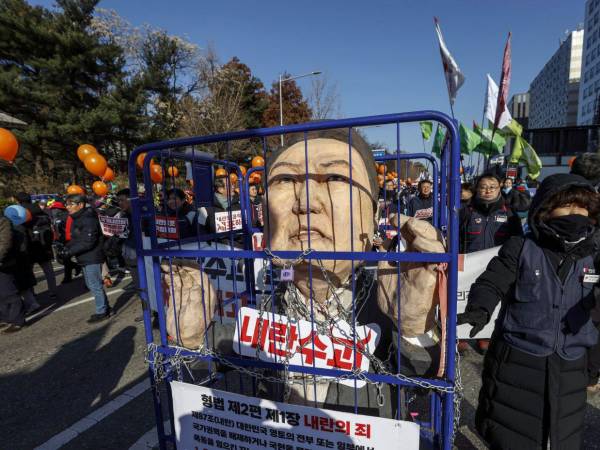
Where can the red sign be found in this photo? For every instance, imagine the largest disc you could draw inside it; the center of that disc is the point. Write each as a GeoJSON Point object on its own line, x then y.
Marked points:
{"type": "Point", "coordinates": [167, 227]}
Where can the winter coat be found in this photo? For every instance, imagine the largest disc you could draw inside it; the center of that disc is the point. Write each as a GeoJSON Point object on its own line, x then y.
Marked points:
{"type": "Point", "coordinates": [7, 251]}
{"type": "Point", "coordinates": [516, 200]}
{"type": "Point", "coordinates": [86, 238]}
{"type": "Point", "coordinates": [187, 220]}
{"type": "Point", "coordinates": [23, 272]}
{"type": "Point", "coordinates": [484, 226]}
{"type": "Point", "coordinates": [39, 230]}
{"type": "Point", "coordinates": [534, 374]}
{"type": "Point", "coordinates": [421, 208]}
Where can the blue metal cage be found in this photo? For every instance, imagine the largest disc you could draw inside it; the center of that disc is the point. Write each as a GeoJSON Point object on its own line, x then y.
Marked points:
{"type": "Point", "coordinates": [164, 355]}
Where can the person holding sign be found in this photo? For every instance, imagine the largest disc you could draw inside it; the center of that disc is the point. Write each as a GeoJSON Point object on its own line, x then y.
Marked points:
{"type": "Point", "coordinates": [225, 214]}
{"type": "Point", "coordinates": [534, 374]}
{"type": "Point", "coordinates": [330, 207]}
{"type": "Point", "coordinates": [421, 205]}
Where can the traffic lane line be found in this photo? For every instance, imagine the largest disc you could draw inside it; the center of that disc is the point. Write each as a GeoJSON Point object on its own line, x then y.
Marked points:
{"type": "Point", "coordinates": [49, 309]}
{"type": "Point", "coordinates": [87, 422]}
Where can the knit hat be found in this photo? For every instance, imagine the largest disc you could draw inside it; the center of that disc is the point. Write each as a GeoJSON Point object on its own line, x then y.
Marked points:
{"type": "Point", "coordinates": [16, 214]}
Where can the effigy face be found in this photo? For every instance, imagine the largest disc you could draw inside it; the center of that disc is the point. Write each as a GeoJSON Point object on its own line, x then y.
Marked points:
{"type": "Point", "coordinates": [341, 213]}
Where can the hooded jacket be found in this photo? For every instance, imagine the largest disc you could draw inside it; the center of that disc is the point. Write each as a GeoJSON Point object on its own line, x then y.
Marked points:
{"type": "Point", "coordinates": [534, 372]}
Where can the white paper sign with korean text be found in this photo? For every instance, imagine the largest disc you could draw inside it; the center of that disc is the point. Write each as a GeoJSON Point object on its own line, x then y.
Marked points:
{"type": "Point", "coordinates": [212, 419]}
{"type": "Point", "coordinates": [275, 338]}
{"type": "Point", "coordinates": [227, 221]}
{"type": "Point", "coordinates": [470, 267]}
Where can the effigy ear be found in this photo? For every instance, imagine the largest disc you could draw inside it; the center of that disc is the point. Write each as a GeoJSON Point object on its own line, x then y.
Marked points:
{"type": "Point", "coordinates": [190, 302]}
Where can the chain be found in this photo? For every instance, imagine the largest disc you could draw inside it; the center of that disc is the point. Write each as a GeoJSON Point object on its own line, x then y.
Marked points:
{"type": "Point", "coordinates": [286, 263]}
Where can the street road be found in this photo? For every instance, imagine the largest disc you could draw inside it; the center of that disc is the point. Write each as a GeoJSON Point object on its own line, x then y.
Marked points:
{"type": "Point", "coordinates": [67, 384]}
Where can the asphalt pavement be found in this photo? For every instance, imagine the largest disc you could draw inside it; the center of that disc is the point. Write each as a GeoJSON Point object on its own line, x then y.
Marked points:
{"type": "Point", "coordinates": [67, 384]}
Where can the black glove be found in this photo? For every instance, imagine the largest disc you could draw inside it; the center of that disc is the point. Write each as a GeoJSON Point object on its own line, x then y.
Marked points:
{"type": "Point", "coordinates": [63, 254]}
{"type": "Point", "coordinates": [477, 318]}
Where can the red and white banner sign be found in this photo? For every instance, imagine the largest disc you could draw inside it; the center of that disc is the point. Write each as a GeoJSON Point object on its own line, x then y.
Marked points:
{"type": "Point", "coordinates": [113, 226]}
{"type": "Point", "coordinates": [424, 213]}
{"type": "Point", "coordinates": [274, 338]}
{"type": "Point", "coordinates": [167, 227]}
{"type": "Point", "coordinates": [224, 220]}
{"type": "Point", "coordinates": [212, 419]}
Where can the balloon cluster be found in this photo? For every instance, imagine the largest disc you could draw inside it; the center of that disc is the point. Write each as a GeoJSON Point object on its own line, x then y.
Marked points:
{"type": "Point", "coordinates": [255, 177]}
{"type": "Point", "coordinates": [95, 164]}
{"type": "Point", "coordinates": [384, 174]}
{"type": "Point", "coordinates": [156, 171]}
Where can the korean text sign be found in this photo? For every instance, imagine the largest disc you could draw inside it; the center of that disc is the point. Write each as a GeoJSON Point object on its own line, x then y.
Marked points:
{"type": "Point", "coordinates": [211, 419]}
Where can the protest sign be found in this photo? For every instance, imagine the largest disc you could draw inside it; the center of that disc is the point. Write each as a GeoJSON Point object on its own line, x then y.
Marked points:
{"type": "Point", "coordinates": [113, 226]}
{"type": "Point", "coordinates": [210, 419]}
{"type": "Point", "coordinates": [470, 267]}
{"type": "Point", "coordinates": [274, 338]}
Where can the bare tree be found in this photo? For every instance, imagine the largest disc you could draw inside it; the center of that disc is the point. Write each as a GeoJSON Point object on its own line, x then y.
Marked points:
{"type": "Point", "coordinates": [324, 99]}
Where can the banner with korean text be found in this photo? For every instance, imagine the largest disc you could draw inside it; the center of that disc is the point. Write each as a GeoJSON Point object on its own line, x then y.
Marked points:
{"type": "Point", "coordinates": [212, 419]}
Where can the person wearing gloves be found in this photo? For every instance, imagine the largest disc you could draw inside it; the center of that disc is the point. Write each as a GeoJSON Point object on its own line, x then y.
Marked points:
{"type": "Point", "coordinates": [534, 374]}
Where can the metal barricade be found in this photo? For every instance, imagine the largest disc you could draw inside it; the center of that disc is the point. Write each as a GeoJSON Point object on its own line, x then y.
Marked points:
{"type": "Point", "coordinates": [171, 236]}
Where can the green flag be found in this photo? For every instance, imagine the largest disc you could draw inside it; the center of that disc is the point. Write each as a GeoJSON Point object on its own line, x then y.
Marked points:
{"type": "Point", "coordinates": [524, 152]}
{"type": "Point", "coordinates": [426, 129]}
{"type": "Point", "coordinates": [488, 146]}
{"type": "Point", "coordinates": [514, 128]}
{"type": "Point", "coordinates": [469, 140]}
{"type": "Point", "coordinates": [438, 141]}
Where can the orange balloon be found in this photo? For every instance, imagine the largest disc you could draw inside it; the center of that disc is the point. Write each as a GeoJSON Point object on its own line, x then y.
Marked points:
{"type": "Point", "coordinates": [109, 174]}
{"type": "Point", "coordinates": [233, 178]}
{"type": "Point", "coordinates": [100, 188]}
{"type": "Point", "coordinates": [379, 177]}
{"type": "Point", "coordinates": [9, 146]}
{"type": "Point", "coordinates": [258, 161]}
{"type": "Point", "coordinates": [140, 160]}
{"type": "Point", "coordinates": [156, 173]}
{"type": "Point", "coordinates": [243, 170]}
{"type": "Point", "coordinates": [75, 190]}
{"type": "Point", "coordinates": [381, 169]}
{"type": "Point", "coordinates": [173, 171]}
{"type": "Point", "coordinates": [95, 164]}
{"type": "Point", "coordinates": [220, 172]}
{"type": "Point", "coordinates": [85, 150]}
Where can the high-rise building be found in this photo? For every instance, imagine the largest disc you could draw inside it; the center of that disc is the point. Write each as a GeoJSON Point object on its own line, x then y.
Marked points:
{"type": "Point", "coordinates": [518, 106]}
{"type": "Point", "coordinates": [554, 93]}
{"type": "Point", "coordinates": [589, 90]}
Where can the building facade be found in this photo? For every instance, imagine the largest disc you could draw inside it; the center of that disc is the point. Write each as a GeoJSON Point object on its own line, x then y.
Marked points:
{"type": "Point", "coordinates": [518, 106]}
{"type": "Point", "coordinates": [589, 90]}
{"type": "Point", "coordinates": [554, 93]}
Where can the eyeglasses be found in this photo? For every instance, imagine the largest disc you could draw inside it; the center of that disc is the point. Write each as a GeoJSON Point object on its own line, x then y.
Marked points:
{"type": "Point", "coordinates": [488, 188]}
{"type": "Point", "coordinates": [71, 204]}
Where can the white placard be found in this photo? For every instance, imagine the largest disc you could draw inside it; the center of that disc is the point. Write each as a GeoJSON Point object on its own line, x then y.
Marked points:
{"type": "Point", "coordinates": [273, 338]}
{"type": "Point", "coordinates": [473, 265]}
{"type": "Point", "coordinates": [212, 419]}
{"type": "Point", "coordinates": [114, 226]}
{"type": "Point", "coordinates": [223, 221]}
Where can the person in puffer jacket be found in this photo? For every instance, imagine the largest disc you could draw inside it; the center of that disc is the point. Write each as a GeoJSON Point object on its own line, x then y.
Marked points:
{"type": "Point", "coordinates": [534, 376]}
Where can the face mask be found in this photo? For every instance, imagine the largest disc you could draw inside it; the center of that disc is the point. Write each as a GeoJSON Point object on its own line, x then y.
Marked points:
{"type": "Point", "coordinates": [506, 190]}
{"type": "Point", "coordinates": [571, 228]}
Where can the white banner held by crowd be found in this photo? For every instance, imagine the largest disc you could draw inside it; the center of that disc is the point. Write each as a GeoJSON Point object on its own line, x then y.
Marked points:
{"type": "Point", "coordinates": [212, 419]}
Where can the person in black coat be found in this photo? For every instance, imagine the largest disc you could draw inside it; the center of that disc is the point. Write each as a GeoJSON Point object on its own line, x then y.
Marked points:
{"type": "Point", "coordinates": [421, 205]}
{"type": "Point", "coordinates": [226, 206]}
{"type": "Point", "coordinates": [518, 201]}
{"type": "Point", "coordinates": [534, 375]}
{"type": "Point", "coordinates": [39, 230]}
{"type": "Point", "coordinates": [11, 305]}
{"type": "Point", "coordinates": [85, 246]}
{"type": "Point", "coordinates": [177, 206]}
{"type": "Point", "coordinates": [487, 221]}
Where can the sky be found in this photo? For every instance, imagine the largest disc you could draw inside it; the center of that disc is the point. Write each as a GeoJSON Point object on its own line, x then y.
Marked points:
{"type": "Point", "coordinates": [383, 55]}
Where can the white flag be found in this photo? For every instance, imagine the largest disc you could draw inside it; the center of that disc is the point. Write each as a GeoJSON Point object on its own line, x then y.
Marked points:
{"type": "Point", "coordinates": [454, 77]}
{"type": "Point", "coordinates": [491, 100]}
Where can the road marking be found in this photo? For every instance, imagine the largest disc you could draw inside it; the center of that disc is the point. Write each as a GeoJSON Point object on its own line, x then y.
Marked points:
{"type": "Point", "coordinates": [48, 309]}
{"type": "Point", "coordinates": [95, 417]}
